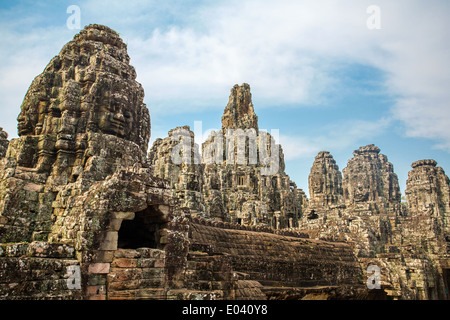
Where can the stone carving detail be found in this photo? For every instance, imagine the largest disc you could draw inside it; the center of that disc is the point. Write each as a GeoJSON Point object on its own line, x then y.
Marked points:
{"type": "Point", "coordinates": [78, 192]}
{"type": "Point", "coordinates": [427, 189]}
{"type": "Point", "coordinates": [81, 119]}
{"type": "Point", "coordinates": [325, 182]}
{"type": "Point", "coordinates": [239, 113]}
{"type": "Point", "coordinates": [241, 174]}
{"type": "Point", "coordinates": [177, 159]}
{"type": "Point", "coordinates": [370, 182]}
{"type": "Point", "coordinates": [428, 205]}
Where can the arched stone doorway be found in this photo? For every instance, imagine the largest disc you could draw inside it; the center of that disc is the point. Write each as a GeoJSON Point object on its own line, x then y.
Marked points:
{"type": "Point", "coordinates": [145, 230]}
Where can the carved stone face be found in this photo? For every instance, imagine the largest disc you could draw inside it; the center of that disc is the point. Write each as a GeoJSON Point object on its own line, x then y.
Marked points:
{"type": "Point", "coordinates": [316, 186]}
{"type": "Point", "coordinates": [361, 193]}
{"type": "Point", "coordinates": [115, 119]}
{"type": "Point", "coordinates": [26, 120]}
{"type": "Point", "coordinates": [94, 92]}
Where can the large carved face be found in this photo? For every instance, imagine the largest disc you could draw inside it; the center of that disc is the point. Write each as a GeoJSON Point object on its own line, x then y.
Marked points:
{"type": "Point", "coordinates": [27, 119]}
{"type": "Point", "coordinates": [87, 90]}
{"type": "Point", "coordinates": [115, 119]}
{"type": "Point", "coordinates": [361, 193]}
{"type": "Point", "coordinates": [316, 186]}
{"type": "Point", "coordinates": [115, 108]}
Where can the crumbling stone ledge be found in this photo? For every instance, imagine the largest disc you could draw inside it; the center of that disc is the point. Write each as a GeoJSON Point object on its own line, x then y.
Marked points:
{"type": "Point", "coordinates": [258, 228]}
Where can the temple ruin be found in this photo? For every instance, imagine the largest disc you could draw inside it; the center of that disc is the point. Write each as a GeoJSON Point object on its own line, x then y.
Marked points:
{"type": "Point", "coordinates": [86, 213]}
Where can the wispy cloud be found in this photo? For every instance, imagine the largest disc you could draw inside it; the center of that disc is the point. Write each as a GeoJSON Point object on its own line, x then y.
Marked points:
{"type": "Point", "coordinates": [336, 137]}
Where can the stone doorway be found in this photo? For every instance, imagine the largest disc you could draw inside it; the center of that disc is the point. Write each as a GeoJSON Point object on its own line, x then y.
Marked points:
{"type": "Point", "coordinates": [144, 231]}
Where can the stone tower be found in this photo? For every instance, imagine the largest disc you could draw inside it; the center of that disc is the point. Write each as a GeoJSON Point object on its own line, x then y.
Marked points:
{"type": "Point", "coordinates": [241, 174]}
{"type": "Point", "coordinates": [176, 158]}
{"type": "Point", "coordinates": [370, 183]}
{"type": "Point", "coordinates": [428, 206]}
{"type": "Point", "coordinates": [427, 190]}
{"type": "Point", "coordinates": [325, 182]}
{"type": "Point", "coordinates": [239, 112]}
{"type": "Point", "coordinates": [77, 176]}
{"type": "Point", "coordinates": [81, 119]}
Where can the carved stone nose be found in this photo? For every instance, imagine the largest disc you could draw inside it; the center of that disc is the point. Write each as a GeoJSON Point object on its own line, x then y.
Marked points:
{"type": "Point", "coordinates": [119, 116]}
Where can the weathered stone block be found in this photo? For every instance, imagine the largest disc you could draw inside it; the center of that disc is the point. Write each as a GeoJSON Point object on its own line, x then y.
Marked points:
{"type": "Point", "coordinates": [124, 263]}
{"type": "Point", "coordinates": [150, 294]}
{"type": "Point", "coordinates": [152, 273]}
{"type": "Point", "coordinates": [50, 250]}
{"type": "Point", "coordinates": [124, 285]}
{"type": "Point", "coordinates": [123, 215]}
{"type": "Point", "coordinates": [125, 274]}
{"type": "Point", "coordinates": [110, 241]}
{"type": "Point", "coordinates": [97, 279]}
{"type": "Point", "coordinates": [100, 268]}
{"type": "Point", "coordinates": [146, 262]}
{"type": "Point", "coordinates": [127, 253]}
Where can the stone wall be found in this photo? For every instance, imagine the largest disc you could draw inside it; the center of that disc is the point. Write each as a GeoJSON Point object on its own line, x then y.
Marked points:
{"type": "Point", "coordinates": [39, 270]}
{"type": "Point", "coordinates": [370, 183]}
{"type": "Point", "coordinates": [86, 214]}
{"type": "Point", "coordinates": [276, 260]}
{"type": "Point", "coordinates": [137, 274]}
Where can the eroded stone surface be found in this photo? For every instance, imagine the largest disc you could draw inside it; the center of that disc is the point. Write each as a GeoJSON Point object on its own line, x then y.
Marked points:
{"type": "Point", "coordinates": [428, 206]}
{"type": "Point", "coordinates": [239, 112]}
{"type": "Point", "coordinates": [370, 182]}
{"type": "Point", "coordinates": [241, 175]}
{"type": "Point", "coordinates": [325, 182]}
{"type": "Point", "coordinates": [85, 215]}
{"type": "Point", "coordinates": [3, 142]}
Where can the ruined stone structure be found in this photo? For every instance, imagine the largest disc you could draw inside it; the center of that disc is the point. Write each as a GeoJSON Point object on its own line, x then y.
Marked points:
{"type": "Point", "coordinates": [239, 112]}
{"type": "Point", "coordinates": [240, 177]}
{"type": "Point", "coordinates": [370, 182]}
{"type": "Point", "coordinates": [184, 171]}
{"type": "Point", "coordinates": [325, 182]}
{"type": "Point", "coordinates": [409, 242]}
{"type": "Point", "coordinates": [86, 213]}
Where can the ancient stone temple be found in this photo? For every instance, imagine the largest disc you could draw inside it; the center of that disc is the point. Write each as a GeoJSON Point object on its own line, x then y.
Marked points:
{"type": "Point", "coordinates": [77, 171]}
{"type": "Point", "coordinates": [86, 212]}
{"type": "Point", "coordinates": [177, 159]}
{"type": "Point", "coordinates": [370, 182]}
{"type": "Point", "coordinates": [428, 207]}
{"type": "Point", "coordinates": [239, 112]}
{"type": "Point", "coordinates": [409, 242]}
{"type": "Point", "coordinates": [81, 119]}
{"type": "Point", "coordinates": [325, 182]}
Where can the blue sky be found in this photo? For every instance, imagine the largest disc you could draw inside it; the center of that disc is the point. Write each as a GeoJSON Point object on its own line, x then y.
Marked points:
{"type": "Point", "coordinates": [316, 71]}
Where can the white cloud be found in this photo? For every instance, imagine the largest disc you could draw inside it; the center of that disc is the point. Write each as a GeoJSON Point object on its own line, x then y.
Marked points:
{"type": "Point", "coordinates": [336, 137]}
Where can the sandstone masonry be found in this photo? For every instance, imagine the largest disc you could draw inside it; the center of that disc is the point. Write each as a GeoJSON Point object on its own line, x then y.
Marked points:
{"type": "Point", "coordinates": [86, 213]}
